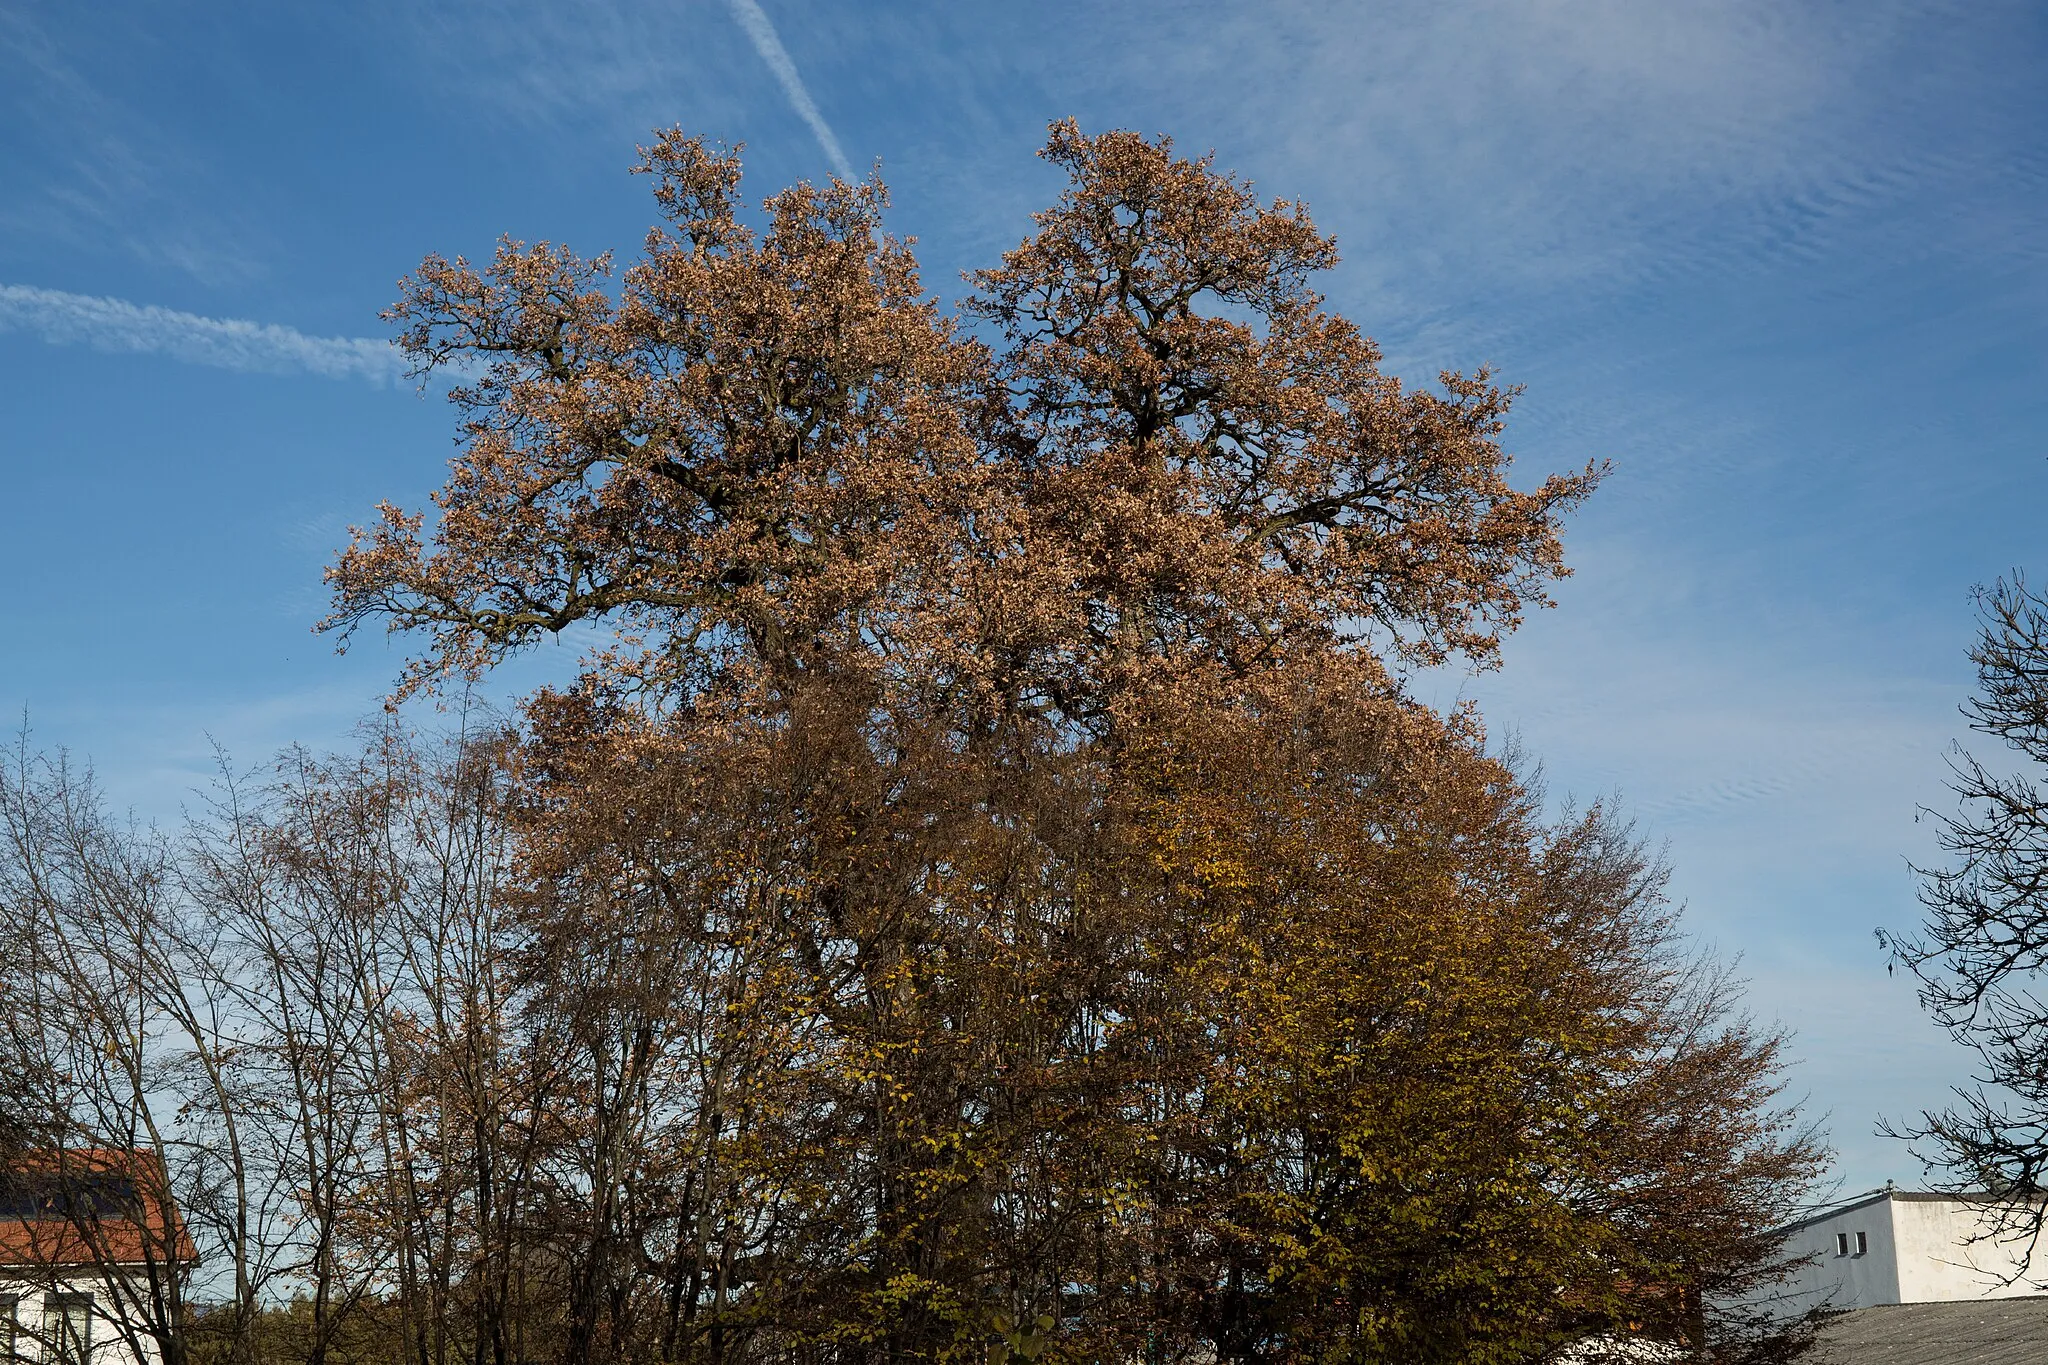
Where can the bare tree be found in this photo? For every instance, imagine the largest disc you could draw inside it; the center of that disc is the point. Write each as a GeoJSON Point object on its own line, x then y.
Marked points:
{"type": "Point", "coordinates": [112, 1008]}
{"type": "Point", "coordinates": [1981, 954]}
{"type": "Point", "coordinates": [291, 1025]}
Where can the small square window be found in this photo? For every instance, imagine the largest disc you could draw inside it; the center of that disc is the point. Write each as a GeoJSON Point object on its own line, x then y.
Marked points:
{"type": "Point", "coordinates": [1862, 1245]}
{"type": "Point", "coordinates": [67, 1329]}
{"type": "Point", "coordinates": [1841, 1244]}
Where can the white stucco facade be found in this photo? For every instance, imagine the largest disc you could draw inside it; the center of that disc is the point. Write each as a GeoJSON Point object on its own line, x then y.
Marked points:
{"type": "Point", "coordinates": [43, 1317]}
{"type": "Point", "coordinates": [1896, 1246]}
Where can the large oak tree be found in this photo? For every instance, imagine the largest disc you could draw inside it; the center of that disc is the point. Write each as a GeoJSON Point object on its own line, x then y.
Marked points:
{"type": "Point", "coordinates": [991, 896]}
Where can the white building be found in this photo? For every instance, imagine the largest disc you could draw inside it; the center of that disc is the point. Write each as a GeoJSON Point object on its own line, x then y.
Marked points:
{"type": "Point", "coordinates": [1896, 1246]}
{"type": "Point", "coordinates": [78, 1251]}
{"type": "Point", "coordinates": [62, 1320]}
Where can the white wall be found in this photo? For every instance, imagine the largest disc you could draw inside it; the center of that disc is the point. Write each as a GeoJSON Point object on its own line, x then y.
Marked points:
{"type": "Point", "coordinates": [1939, 1258]}
{"type": "Point", "coordinates": [109, 1344]}
{"type": "Point", "coordinates": [1919, 1249]}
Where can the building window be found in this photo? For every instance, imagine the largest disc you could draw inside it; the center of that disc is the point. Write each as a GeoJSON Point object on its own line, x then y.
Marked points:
{"type": "Point", "coordinates": [1841, 1244]}
{"type": "Point", "coordinates": [1862, 1245]}
{"type": "Point", "coordinates": [10, 1329]}
{"type": "Point", "coordinates": [67, 1329]}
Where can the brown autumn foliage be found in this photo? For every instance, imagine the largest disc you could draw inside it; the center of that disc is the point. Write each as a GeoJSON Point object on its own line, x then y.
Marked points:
{"type": "Point", "coordinates": [1459, 1093]}
{"type": "Point", "coordinates": [993, 898]}
{"type": "Point", "coordinates": [930, 630]}
{"type": "Point", "coordinates": [773, 454]}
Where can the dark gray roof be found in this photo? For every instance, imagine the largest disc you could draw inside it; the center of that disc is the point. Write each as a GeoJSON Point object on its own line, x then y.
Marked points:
{"type": "Point", "coordinates": [1982, 1332]}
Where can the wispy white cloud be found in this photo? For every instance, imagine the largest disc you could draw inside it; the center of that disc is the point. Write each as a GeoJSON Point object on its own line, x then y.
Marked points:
{"type": "Point", "coordinates": [229, 343]}
{"type": "Point", "coordinates": [1473, 154]}
{"type": "Point", "coordinates": [94, 172]}
{"type": "Point", "coordinates": [761, 33]}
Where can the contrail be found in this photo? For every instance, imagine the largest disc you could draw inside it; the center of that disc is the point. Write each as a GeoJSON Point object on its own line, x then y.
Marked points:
{"type": "Point", "coordinates": [755, 22]}
{"type": "Point", "coordinates": [230, 343]}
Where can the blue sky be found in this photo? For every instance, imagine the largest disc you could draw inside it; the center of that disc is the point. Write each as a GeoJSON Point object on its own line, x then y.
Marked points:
{"type": "Point", "coordinates": [1784, 265]}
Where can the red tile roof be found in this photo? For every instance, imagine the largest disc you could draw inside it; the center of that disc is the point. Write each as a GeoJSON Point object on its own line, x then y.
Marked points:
{"type": "Point", "coordinates": [90, 1207]}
